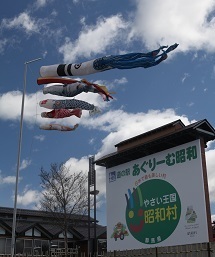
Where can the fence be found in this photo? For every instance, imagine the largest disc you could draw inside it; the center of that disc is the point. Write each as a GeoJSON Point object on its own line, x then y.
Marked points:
{"type": "Point", "coordinates": [58, 252]}
{"type": "Point", "coordinates": [192, 250]}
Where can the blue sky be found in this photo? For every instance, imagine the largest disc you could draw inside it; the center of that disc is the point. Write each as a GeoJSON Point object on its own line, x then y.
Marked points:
{"type": "Point", "coordinates": [181, 87]}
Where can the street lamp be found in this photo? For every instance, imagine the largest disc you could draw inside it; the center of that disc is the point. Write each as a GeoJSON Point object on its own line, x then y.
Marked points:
{"type": "Point", "coordinates": [18, 159]}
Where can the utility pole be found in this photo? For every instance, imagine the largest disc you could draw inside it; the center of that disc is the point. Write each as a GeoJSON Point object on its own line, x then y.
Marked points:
{"type": "Point", "coordinates": [92, 191]}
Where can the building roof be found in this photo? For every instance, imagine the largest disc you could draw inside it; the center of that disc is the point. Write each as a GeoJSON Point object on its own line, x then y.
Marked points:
{"type": "Point", "coordinates": [100, 230]}
{"type": "Point", "coordinates": [175, 124]}
{"type": "Point", "coordinates": [45, 223]}
{"type": "Point", "coordinates": [35, 213]}
{"type": "Point", "coordinates": [157, 140]}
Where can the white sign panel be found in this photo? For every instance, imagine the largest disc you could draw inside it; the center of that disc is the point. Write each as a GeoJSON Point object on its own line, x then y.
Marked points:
{"type": "Point", "coordinates": [157, 200]}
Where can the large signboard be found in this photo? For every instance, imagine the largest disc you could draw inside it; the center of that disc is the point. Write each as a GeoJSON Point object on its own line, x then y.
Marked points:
{"type": "Point", "coordinates": [157, 200]}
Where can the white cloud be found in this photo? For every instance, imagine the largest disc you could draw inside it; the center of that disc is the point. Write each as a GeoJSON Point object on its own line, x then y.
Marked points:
{"type": "Point", "coordinates": [168, 22]}
{"type": "Point", "coordinates": [190, 104]}
{"type": "Point", "coordinates": [40, 137]}
{"type": "Point", "coordinates": [185, 76]}
{"type": "Point", "coordinates": [31, 107]}
{"type": "Point", "coordinates": [150, 24]}
{"type": "Point", "coordinates": [25, 22]}
{"type": "Point", "coordinates": [24, 164]}
{"type": "Point", "coordinates": [22, 21]}
{"type": "Point", "coordinates": [210, 169]}
{"type": "Point", "coordinates": [28, 197]}
{"type": "Point", "coordinates": [130, 124]}
{"type": "Point", "coordinates": [42, 3]}
{"type": "Point", "coordinates": [44, 54]}
{"type": "Point", "coordinates": [3, 44]}
{"type": "Point", "coordinates": [8, 179]}
{"type": "Point", "coordinates": [14, 100]}
{"type": "Point", "coordinates": [91, 141]}
{"type": "Point", "coordinates": [94, 39]}
{"type": "Point", "coordinates": [123, 80]}
{"type": "Point", "coordinates": [77, 165]}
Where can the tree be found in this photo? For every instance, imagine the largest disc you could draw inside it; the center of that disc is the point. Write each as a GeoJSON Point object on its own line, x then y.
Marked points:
{"type": "Point", "coordinates": [64, 195]}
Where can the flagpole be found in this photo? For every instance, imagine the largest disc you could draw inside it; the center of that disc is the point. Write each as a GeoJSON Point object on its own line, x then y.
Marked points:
{"type": "Point", "coordinates": [13, 240]}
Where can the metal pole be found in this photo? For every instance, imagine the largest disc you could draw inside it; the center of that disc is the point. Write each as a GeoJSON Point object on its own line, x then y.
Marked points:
{"type": "Point", "coordinates": [18, 160]}
{"type": "Point", "coordinates": [88, 247]}
{"type": "Point", "coordinates": [95, 241]}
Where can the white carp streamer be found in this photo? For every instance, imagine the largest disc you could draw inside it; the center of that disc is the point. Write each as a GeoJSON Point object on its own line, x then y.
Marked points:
{"type": "Point", "coordinates": [124, 61]}
{"type": "Point", "coordinates": [58, 127]}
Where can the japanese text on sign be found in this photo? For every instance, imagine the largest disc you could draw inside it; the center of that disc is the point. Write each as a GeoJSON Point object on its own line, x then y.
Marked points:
{"type": "Point", "coordinates": [170, 159]}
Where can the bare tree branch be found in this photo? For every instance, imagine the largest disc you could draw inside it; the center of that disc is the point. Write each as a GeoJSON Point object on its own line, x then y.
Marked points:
{"type": "Point", "coordinates": [64, 195]}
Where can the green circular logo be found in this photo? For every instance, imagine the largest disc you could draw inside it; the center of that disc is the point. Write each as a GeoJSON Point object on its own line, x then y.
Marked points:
{"type": "Point", "coordinates": [153, 211]}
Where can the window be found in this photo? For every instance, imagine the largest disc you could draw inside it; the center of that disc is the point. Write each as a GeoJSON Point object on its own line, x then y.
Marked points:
{"type": "Point", "coordinates": [37, 247]}
{"type": "Point", "coordinates": [33, 232]}
{"type": "Point", "coordinates": [8, 245]}
{"type": "Point", "coordinates": [69, 235]}
{"type": "Point", "coordinates": [41, 247]}
{"type": "Point", "coordinates": [29, 232]}
{"type": "Point", "coordinates": [45, 247]}
{"type": "Point", "coordinates": [2, 231]}
{"type": "Point", "coordinates": [28, 246]}
{"type": "Point", "coordinates": [61, 244]}
{"type": "Point", "coordinates": [28, 243]}
{"type": "Point", "coordinates": [37, 232]}
{"type": "Point", "coordinates": [57, 244]}
{"type": "Point", "coordinates": [19, 246]}
{"type": "Point", "coordinates": [2, 245]}
{"type": "Point", "coordinates": [101, 246]}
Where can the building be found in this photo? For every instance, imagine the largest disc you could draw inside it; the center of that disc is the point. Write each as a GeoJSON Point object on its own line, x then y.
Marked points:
{"type": "Point", "coordinates": [148, 175]}
{"type": "Point", "coordinates": [37, 232]}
